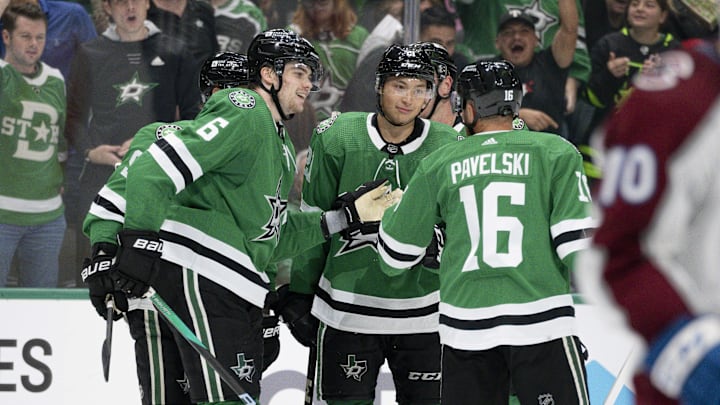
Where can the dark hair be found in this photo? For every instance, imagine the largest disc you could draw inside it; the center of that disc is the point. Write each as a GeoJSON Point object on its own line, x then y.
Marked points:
{"type": "Point", "coordinates": [437, 15]}
{"type": "Point", "coordinates": [29, 10]}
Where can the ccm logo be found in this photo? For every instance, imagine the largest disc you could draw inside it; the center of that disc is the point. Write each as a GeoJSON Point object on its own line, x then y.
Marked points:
{"type": "Point", "coordinates": [151, 245]}
{"type": "Point", "coordinates": [418, 376]}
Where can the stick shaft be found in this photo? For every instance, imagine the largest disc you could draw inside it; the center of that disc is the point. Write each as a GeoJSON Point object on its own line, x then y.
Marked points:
{"type": "Point", "coordinates": [177, 323]}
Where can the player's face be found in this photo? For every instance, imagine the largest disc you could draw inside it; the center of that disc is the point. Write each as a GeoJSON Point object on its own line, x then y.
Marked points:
{"type": "Point", "coordinates": [403, 98]}
{"type": "Point", "coordinates": [295, 88]}
{"type": "Point", "coordinates": [516, 43]}
{"type": "Point", "coordinates": [645, 14]}
{"type": "Point", "coordinates": [129, 17]}
{"type": "Point", "coordinates": [24, 46]}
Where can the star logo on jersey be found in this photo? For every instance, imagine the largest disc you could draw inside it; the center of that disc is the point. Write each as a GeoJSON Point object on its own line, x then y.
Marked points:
{"type": "Point", "coordinates": [184, 384]}
{"type": "Point", "coordinates": [543, 19]}
{"type": "Point", "coordinates": [358, 239]}
{"type": "Point", "coordinates": [279, 209]}
{"type": "Point", "coordinates": [41, 132]}
{"type": "Point", "coordinates": [132, 91]}
{"type": "Point", "coordinates": [245, 368]}
{"type": "Point", "coordinates": [354, 368]}
{"type": "Point", "coordinates": [166, 129]}
{"type": "Point", "coordinates": [242, 99]}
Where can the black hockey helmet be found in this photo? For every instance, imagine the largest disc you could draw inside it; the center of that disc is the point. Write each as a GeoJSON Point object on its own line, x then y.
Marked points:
{"type": "Point", "coordinates": [493, 86]}
{"type": "Point", "coordinates": [276, 47]}
{"type": "Point", "coordinates": [440, 59]}
{"type": "Point", "coordinates": [223, 70]}
{"type": "Point", "coordinates": [404, 61]}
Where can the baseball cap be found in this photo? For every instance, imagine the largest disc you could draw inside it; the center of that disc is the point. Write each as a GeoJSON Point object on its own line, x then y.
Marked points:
{"type": "Point", "coordinates": [516, 16]}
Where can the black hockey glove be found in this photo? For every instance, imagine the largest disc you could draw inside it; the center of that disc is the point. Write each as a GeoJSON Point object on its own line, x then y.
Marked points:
{"type": "Point", "coordinates": [96, 274]}
{"type": "Point", "coordinates": [431, 260]}
{"type": "Point", "coordinates": [271, 340]}
{"type": "Point", "coordinates": [362, 209]}
{"type": "Point", "coordinates": [294, 309]}
{"type": "Point", "coordinates": [137, 261]}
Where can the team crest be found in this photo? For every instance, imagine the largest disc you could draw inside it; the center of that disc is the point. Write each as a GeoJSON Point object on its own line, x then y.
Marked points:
{"type": "Point", "coordinates": [279, 207]}
{"type": "Point", "coordinates": [245, 369]}
{"type": "Point", "coordinates": [546, 399]}
{"type": "Point", "coordinates": [242, 99]}
{"type": "Point", "coordinates": [327, 123]}
{"type": "Point", "coordinates": [166, 129]}
{"type": "Point", "coordinates": [354, 368]}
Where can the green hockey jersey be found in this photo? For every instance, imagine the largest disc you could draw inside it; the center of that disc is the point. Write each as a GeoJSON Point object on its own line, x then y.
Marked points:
{"type": "Point", "coordinates": [227, 228]}
{"type": "Point", "coordinates": [351, 293]}
{"type": "Point", "coordinates": [32, 145]}
{"type": "Point", "coordinates": [516, 209]}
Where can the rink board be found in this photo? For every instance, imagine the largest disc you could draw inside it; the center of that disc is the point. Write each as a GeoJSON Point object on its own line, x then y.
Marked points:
{"type": "Point", "coordinates": [50, 344]}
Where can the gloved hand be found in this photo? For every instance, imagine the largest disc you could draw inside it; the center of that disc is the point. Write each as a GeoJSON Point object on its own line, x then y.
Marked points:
{"type": "Point", "coordinates": [684, 361]}
{"type": "Point", "coordinates": [294, 309]}
{"type": "Point", "coordinates": [431, 260]}
{"type": "Point", "coordinates": [96, 274]}
{"type": "Point", "coordinates": [271, 340]}
{"type": "Point", "coordinates": [137, 261]}
{"type": "Point", "coordinates": [363, 208]}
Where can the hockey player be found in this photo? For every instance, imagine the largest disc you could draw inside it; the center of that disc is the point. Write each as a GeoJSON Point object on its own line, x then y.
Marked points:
{"type": "Point", "coordinates": [366, 317]}
{"type": "Point", "coordinates": [160, 371]}
{"type": "Point", "coordinates": [214, 195]}
{"type": "Point", "coordinates": [515, 206]}
{"type": "Point", "coordinates": [657, 244]}
{"type": "Point", "coordinates": [441, 108]}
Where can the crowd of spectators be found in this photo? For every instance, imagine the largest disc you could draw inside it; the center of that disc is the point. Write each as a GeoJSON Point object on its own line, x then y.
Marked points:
{"type": "Point", "coordinates": [131, 62]}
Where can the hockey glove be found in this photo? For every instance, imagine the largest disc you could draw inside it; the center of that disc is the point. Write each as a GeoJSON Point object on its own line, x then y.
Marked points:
{"type": "Point", "coordinates": [431, 260]}
{"type": "Point", "coordinates": [363, 208]}
{"type": "Point", "coordinates": [684, 361]}
{"type": "Point", "coordinates": [96, 274]}
{"type": "Point", "coordinates": [294, 309]}
{"type": "Point", "coordinates": [137, 262]}
{"type": "Point", "coordinates": [271, 340]}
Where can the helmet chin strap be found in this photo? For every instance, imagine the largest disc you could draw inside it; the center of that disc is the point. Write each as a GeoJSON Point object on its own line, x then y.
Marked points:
{"type": "Point", "coordinates": [436, 102]}
{"type": "Point", "coordinates": [274, 95]}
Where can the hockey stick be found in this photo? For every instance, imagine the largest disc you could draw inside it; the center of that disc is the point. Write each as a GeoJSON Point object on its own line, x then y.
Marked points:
{"type": "Point", "coordinates": [107, 343]}
{"type": "Point", "coordinates": [618, 384]}
{"type": "Point", "coordinates": [177, 323]}
{"type": "Point", "coordinates": [310, 381]}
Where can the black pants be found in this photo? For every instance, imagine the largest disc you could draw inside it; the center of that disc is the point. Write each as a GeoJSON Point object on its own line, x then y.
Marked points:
{"type": "Point", "coordinates": [545, 373]}
{"type": "Point", "coordinates": [228, 325]}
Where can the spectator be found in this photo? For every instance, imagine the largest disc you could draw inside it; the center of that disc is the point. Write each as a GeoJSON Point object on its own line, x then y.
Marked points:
{"type": "Point", "coordinates": [331, 26]}
{"type": "Point", "coordinates": [547, 17]}
{"type": "Point", "coordinates": [236, 23]}
{"type": "Point", "coordinates": [544, 72]}
{"type": "Point", "coordinates": [513, 230]}
{"type": "Point", "coordinates": [130, 76]}
{"type": "Point", "coordinates": [68, 26]}
{"type": "Point", "coordinates": [192, 21]}
{"type": "Point", "coordinates": [603, 17]}
{"type": "Point", "coordinates": [437, 25]}
{"type": "Point", "coordinates": [655, 253]}
{"type": "Point", "coordinates": [32, 112]}
{"type": "Point", "coordinates": [365, 317]}
{"type": "Point", "coordinates": [620, 55]}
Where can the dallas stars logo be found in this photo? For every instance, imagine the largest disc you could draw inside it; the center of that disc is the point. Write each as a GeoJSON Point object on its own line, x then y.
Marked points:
{"type": "Point", "coordinates": [184, 384]}
{"type": "Point", "coordinates": [132, 91]}
{"type": "Point", "coordinates": [245, 369]}
{"type": "Point", "coordinates": [278, 206]}
{"type": "Point", "coordinates": [354, 368]}
{"type": "Point", "coordinates": [543, 19]}
{"type": "Point", "coordinates": [357, 239]}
